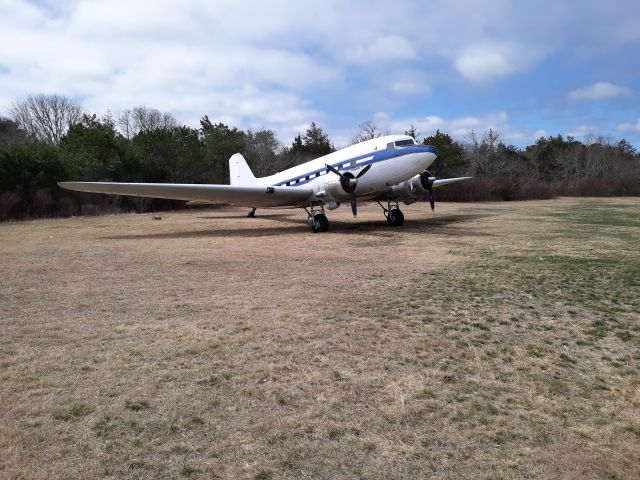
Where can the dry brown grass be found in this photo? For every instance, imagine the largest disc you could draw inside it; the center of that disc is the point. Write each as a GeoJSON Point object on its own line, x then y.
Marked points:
{"type": "Point", "coordinates": [208, 345]}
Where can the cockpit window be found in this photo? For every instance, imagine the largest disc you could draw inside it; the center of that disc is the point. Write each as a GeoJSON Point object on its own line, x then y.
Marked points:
{"type": "Point", "coordinates": [404, 143]}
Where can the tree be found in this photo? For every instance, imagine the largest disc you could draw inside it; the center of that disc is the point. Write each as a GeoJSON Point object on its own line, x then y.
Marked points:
{"type": "Point", "coordinates": [412, 132]}
{"type": "Point", "coordinates": [174, 154]}
{"type": "Point", "coordinates": [556, 158]}
{"type": "Point", "coordinates": [28, 176]}
{"type": "Point", "coordinates": [93, 150]}
{"type": "Point", "coordinates": [316, 142]}
{"type": "Point", "coordinates": [143, 119]}
{"type": "Point", "coordinates": [313, 144]}
{"type": "Point", "coordinates": [451, 160]}
{"type": "Point", "coordinates": [11, 133]}
{"type": "Point", "coordinates": [31, 166]}
{"type": "Point", "coordinates": [625, 148]}
{"type": "Point", "coordinates": [220, 142]}
{"type": "Point", "coordinates": [46, 117]}
{"type": "Point", "coordinates": [261, 152]}
{"type": "Point", "coordinates": [485, 153]}
{"type": "Point", "coordinates": [368, 131]}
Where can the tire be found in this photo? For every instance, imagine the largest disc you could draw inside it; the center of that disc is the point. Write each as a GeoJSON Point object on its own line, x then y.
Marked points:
{"type": "Point", "coordinates": [395, 218]}
{"type": "Point", "coordinates": [321, 223]}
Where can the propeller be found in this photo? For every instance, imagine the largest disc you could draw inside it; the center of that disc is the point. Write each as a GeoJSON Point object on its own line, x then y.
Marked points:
{"type": "Point", "coordinates": [349, 182]}
{"type": "Point", "coordinates": [426, 179]}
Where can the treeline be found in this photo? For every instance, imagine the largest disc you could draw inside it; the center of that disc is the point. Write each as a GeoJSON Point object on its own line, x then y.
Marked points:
{"type": "Point", "coordinates": [49, 138]}
{"type": "Point", "coordinates": [553, 166]}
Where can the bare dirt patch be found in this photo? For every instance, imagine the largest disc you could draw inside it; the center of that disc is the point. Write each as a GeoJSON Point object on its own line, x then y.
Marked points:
{"type": "Point", "coordinates": [495, 340]}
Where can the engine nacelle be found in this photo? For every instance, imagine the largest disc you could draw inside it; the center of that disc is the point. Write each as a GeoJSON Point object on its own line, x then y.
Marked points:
{"type": "Point", "coordinates": [410, 190]}
{"type": "Point", "coordinates": [335, 188]}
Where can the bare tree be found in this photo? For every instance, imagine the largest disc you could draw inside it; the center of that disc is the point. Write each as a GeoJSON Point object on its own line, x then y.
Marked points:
{"type": "Point", "coordinates": [473, 146]}
{"type": "Point", "coordinates": [143, 119]}
{"type": "Point", "coordinates": [368, 131]}
{"type": "Point", "coordinates": [486, 153]}
{"type": "Point", "coordinates": [597, 156]}
{"type": "Point", "coordinates": [412, 132]}
{"type": "Point", "coordinates": [46, 117]}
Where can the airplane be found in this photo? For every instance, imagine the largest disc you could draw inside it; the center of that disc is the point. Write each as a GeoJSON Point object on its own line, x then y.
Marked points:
{"type": "Point", "coordinates": [390, 169]}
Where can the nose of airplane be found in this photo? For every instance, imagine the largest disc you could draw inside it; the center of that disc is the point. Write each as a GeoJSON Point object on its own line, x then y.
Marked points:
{"type": "Point", "coordinates": [429, 154]}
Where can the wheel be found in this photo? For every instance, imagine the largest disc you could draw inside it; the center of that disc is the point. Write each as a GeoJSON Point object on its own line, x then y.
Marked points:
{"type": "Point", "coordinates": [395, 218]}
{"type": "Point", "coordinates": [321, 223]}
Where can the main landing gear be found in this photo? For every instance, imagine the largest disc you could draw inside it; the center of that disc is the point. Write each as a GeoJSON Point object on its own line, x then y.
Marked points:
{"type": "Point", "coordinates": [319, 223]}
{"type": "Point", "coordinates": [317, 220]}
{"type": "Point", "coordinates": [392, 213]}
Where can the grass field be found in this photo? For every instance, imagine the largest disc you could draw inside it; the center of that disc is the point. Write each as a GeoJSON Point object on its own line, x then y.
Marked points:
{"type": "Point", "coordinates": [493, 340]}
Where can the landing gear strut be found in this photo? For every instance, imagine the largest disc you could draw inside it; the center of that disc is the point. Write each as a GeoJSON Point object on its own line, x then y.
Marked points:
{"type": "Point", "coordinates": [317, 220]}
{"type": "Point", "coordinates": [392, 213]}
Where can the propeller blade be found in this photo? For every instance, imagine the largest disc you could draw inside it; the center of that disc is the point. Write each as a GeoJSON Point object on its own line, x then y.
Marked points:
{"type": "Point", "coordinates": [363, 171]}
{"type": "Point", "coordinates": [333, 169]}
{"type": "Point", "coordinates": [354, 206]}
{"type": "Point", "coordinates": [427, 182]}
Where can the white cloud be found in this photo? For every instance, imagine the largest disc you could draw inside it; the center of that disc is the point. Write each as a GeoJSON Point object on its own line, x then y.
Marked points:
{"type": "Point", "coordinates": [482, 65]}
{"type": "Point", "coordinates": [409, 82]}
{"type": "Point", "coordinates": [599, 91]}
{"type": "Point", "coordinates": [459, 127]}
{"type": "Point", "coordinates": [629, 127]}
{"type": "Point", "coordinates": [407, 87]}
{"type": "Point", "coordinates": [158, 54]}
{"type": "Point", "coordinates": [389, 48]}
{"type": "Point", "coordinates": [481, 62]}
{"type": "Point", "coordinates": [240, 60]}
{"type": "Point", "coordinates": [581, 131]}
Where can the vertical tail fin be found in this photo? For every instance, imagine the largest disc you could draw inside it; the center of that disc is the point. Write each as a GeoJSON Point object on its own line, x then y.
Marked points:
{"type": "Point", "coordinates": [239, 171]}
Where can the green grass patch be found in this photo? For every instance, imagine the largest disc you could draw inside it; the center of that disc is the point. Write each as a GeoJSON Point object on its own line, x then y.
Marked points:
{"type": "Point", "coordinates": [137, 405]}
{"type": "Point", "coordinates": [73, 411]}
{"type": "Point", "coordinates": [263, 475]}
{"type": "Point", "coordinates": [188, 471]}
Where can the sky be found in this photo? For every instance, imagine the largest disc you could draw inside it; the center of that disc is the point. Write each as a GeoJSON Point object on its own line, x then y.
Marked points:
{"type": "Point", "coordinates": [525, 68]}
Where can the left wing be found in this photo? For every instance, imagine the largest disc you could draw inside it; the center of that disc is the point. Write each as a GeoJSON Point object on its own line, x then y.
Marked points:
{"type": "Point", "coordinates": [244, 196]}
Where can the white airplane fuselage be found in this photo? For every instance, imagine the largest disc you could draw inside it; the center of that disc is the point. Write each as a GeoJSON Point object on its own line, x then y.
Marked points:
{"type": "Point", "coordinates": [393, 159]}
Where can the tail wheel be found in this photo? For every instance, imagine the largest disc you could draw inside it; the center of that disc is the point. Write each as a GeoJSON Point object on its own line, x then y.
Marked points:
{"type": "Point", "coordinates": [395, 217]}
{"type": "Point", "coordinates": [321, 223]}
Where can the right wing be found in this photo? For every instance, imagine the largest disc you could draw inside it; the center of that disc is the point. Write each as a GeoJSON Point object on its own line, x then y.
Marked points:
{"type": "Point", "coordinates": [447, 181]}
{"type": "Point", "coordinates": [244, 196]}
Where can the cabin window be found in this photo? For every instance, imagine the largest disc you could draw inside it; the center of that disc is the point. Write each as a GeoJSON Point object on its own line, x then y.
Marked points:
{"type": "Point", "coordinates": [317, 174]}
{"type": "Point", "coordinates": [308, 178]}
{"type": "Point", "coordinates": [288, 184]}
{"type": "Point", "coordinates": [390, 146]}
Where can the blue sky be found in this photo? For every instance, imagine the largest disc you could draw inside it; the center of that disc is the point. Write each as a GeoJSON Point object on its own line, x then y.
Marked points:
{"type": "Point", "coordinates": [526, 68]}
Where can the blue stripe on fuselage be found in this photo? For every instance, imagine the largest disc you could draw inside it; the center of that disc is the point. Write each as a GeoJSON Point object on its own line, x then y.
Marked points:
{"type": "Point", "coordinates": [378, 156]}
